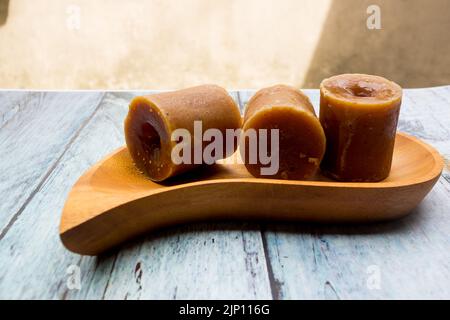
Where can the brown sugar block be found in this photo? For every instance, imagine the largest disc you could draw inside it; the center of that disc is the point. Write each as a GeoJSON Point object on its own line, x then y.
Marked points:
{"type": "Point", "coordinates": [152, 119]}
{"type": "Point", "coordinates": [359, 114]}
{"type": "Point", "coordinates": [301, 137]}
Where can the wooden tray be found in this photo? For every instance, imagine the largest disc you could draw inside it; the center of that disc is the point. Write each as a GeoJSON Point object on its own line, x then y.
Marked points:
{"type": "Point", "coordinates": [113, 202]}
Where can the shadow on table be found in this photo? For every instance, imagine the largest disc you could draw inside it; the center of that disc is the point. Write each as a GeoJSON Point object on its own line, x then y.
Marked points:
{"type": "Point", "coordinates": [315, 229]}
{"type": "Point", "coordinates": [411, 47]}
{"type": "Point", "coordinates": [4, 4]}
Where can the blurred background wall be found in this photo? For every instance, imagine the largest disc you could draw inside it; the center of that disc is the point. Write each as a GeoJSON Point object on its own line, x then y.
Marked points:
{"type": "Point", "coordinates": [156, 44]}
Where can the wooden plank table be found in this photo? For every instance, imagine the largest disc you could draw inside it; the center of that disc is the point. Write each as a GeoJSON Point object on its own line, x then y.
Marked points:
{"type": "Point", "coordinates": [48, 139]}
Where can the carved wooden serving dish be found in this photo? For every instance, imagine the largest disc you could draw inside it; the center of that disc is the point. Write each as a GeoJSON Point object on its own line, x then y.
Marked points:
{"type": "Point", "coordinates": [112, 202]}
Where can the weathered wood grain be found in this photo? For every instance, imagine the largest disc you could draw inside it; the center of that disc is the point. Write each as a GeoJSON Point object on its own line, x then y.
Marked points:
{"type": "Point", "coordinates": [204, 261]}
{"type": "Point", "coordinates": [38, 224]}
{"type": "Point", "coordinates": [10, 104]}
{"type": "Point", "coordinates": [194, 262]}
{"type": "Point", "coordinates": [410, 257]}
{"type": "Point", "coordinates": [62, 134]}
{"type": "Point", "coordinates": [35, 129]}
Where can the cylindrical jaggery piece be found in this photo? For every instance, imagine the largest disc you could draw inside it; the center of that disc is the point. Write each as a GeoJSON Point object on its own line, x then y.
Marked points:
{"type": "Point", "coordinates": [359, 115]}
{"type": "Point", "coordinates": [301, 137]}
{"type": "Point", "coordinates": [152, 119]}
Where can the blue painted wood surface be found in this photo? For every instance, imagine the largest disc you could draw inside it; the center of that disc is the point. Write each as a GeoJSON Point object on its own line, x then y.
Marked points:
{"type": "Point", "coordinates": [48, 139]}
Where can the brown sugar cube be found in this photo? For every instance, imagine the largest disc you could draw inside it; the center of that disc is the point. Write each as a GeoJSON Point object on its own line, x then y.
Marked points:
{"type": "Point", "coordinates": [152, 119]}
{"type": "Point", "coordinates": [301, 137]}
{"type": "Point", "coordinates": [359, 115]}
